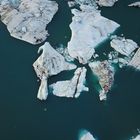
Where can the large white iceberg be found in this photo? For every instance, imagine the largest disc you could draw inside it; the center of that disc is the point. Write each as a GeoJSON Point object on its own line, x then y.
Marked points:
{"type": "Point", "coordinates": [49, 63]}
{"type": "Point", "coordinates": [89, 29]}
{"type": "Point", "coordinates": [123, 46]}
{"type": "Point", "coordinates": [27, 19]}
{"type": "Point", "coordinates": [85, 135]}
{"type": "Point", "coordinates": [71, 88]}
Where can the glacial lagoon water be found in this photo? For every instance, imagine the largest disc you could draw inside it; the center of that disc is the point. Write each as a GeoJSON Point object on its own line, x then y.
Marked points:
{"type": "Point", "coordinates": [24, 117]}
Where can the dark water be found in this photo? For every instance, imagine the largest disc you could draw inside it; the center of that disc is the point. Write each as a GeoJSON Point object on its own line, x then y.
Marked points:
{"type": "Point", "coordinates": [23, 117]}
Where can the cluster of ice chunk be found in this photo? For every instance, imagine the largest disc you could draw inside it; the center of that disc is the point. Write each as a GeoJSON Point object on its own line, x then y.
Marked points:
{"type": "Point", "coordinates": [49, 63]}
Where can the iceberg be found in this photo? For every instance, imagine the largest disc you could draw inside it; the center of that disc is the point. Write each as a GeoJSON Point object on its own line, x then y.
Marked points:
{"type": "Point", "coordinates": [89, 29]}
{"type": "Point", "coordinates": [27, 20]}
{"type": "Point", "coordinates": [85, 135]}
{"type": "Point", "coordinates": [105, 74]}
{"type": "Point", "coordinates": [71, 88]}
{"type": "Point", "coordinates": [49, 63]}
{"type": "Point", "coordinates": [123, 46]}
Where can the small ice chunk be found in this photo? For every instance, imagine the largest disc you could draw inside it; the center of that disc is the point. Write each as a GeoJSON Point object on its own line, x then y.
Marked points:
{"type": "Point", "coordinates": [135, 4]}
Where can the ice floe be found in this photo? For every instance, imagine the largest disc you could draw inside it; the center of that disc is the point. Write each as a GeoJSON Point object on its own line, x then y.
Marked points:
{"type": "Point", "coordinates": [71, 88]}
{"type": "Point", "coordinates": [27, 19]}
